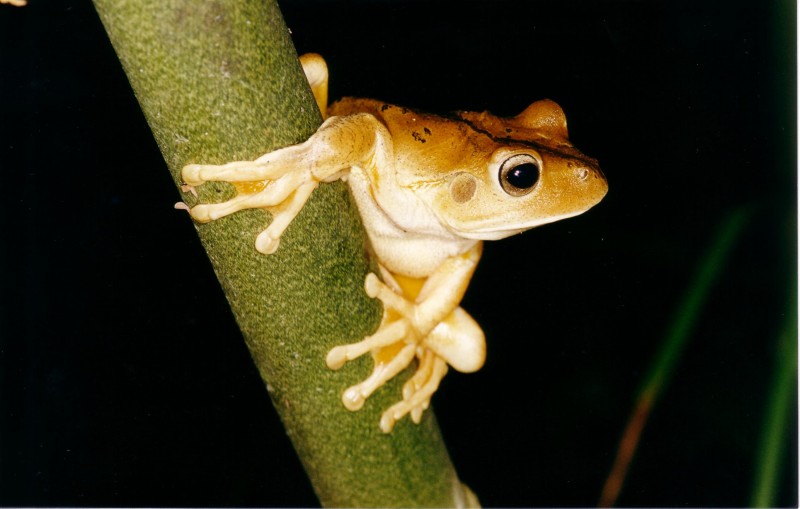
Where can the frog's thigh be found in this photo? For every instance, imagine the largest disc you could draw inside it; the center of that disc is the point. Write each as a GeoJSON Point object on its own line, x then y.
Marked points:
{"type": "Point", "coordinates": [459, 340]}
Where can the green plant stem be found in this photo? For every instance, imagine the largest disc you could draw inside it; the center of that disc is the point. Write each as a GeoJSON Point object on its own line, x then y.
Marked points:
{"type": "Point", "coordinates": [687, 314]}
{"type": "Point", "coordinates": [220, 81]}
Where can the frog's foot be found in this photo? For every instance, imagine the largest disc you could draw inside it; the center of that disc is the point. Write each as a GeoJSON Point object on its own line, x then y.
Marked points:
{"type": "Point", "coordinates": [390, 353]}
{"type": "Point", "coordinates": [394, 346]}
{"type": "Point", "coordinates": [282, 193]}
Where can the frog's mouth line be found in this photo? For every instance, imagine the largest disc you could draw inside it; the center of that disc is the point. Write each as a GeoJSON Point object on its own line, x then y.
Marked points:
{"type": "Point", "coordinates": [490, 233]}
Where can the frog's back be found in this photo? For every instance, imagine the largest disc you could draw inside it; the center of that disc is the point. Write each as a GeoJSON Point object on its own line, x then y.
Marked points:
{"type": "Point", "coordinates": [432, 141]}
{"type": "Point", "coordinates": [397, 119]}
{"type": "Point", "coordinates": [353, 105]}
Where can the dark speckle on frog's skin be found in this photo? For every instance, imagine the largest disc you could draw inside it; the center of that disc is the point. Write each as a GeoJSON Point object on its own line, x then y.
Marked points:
{"type": "Point", "coordinates": [385, 107]}
{"type": "Point", "coordinates": [418, 137]}
{"type": "Point", "coordinates": [427, 131]}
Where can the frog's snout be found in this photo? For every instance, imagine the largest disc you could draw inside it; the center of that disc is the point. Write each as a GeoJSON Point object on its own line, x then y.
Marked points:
{"type": "Point", "coordinates": [592, 177]}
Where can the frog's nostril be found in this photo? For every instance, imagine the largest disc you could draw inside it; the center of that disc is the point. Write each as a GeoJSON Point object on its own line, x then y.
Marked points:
{"type": "Point", "coordinates": [583, 174]}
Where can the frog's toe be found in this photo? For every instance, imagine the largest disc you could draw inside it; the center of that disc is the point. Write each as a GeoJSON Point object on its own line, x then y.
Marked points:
{"type": "Point", "coordinates": [203, 213]}
{"type": "Point", "coordinates": [337, 357]}
{"type": "Point", "coordinates": [353, 399]}
{"type": "Point", "coordinates": [385, 369]}
{"type": "Point", "coordinates": [387, 422]}
{"type": "Point", "coordinates": [190, 174]}
{"type": "Point", "coordinates": [372, 285]}
{"type": "Point", "coordinates": [399, 410]}
{"type": "Point", "coordinates": [267, 242]}
{"type": "Point", "coordinates": [377, 289]}
{"type": "Point", "coordinates": [387, 334]}
{"type": "Point", "coordinates": [417, 392]}
{"type": "Point", "coordinates": [416, 413]}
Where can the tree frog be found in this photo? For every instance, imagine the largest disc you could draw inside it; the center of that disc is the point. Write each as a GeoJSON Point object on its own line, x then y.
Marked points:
{"type": "Point", "coordinates": [429, 190]}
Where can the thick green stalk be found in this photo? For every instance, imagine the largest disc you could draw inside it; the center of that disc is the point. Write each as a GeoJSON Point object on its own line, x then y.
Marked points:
{"type": "Point", "coordinates": [220, 81]}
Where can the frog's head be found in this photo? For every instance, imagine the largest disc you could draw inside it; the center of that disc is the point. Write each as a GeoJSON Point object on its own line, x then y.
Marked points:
{"type": "Point", "coordinates": [525, 174]}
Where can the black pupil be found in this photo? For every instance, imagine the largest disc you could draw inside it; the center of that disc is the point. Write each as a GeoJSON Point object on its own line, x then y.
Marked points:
{"type": "Point", "coordinates": [523, 176]}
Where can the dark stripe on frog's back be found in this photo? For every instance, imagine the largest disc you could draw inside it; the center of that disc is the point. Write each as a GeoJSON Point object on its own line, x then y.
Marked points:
{"type": "Point", "coordinates": [564, 150]}
{"type": "Point", "coordinates": [382, 111]}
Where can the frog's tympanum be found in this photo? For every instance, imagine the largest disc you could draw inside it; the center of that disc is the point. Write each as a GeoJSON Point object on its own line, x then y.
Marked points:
{"type": "Point", "coordinates": [429, 189]}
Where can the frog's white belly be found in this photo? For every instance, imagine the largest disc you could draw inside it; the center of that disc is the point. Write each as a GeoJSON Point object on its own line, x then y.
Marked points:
{"type": "Point", "coordinates": [415, 256]}
{"type": "Point", "coordinates": [414, 243]}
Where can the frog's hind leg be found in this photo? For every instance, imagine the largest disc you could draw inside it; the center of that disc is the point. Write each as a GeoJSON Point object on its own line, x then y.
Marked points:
{"type": "Point", "coordinates": [459, 340]}
{"type": "Point", "coordinates": [316, 71]}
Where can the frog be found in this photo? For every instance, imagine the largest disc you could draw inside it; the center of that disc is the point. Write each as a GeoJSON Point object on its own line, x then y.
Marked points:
{"type": "Point", "coordinates": [429, 189]}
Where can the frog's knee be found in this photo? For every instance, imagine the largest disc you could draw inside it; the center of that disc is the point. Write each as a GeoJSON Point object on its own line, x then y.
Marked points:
{"type": "Point", "coordinates": [460, 341]}
{"type": "Point", "coordinates": [316, 71]}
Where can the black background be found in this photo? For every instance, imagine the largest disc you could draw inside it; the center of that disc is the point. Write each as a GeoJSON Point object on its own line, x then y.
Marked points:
{"type": "Point", "coordinates": [125, 380]}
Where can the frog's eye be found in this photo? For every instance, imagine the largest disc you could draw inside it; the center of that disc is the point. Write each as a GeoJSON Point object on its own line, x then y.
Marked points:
{"type": "Point", "coordinates": [518, 174]}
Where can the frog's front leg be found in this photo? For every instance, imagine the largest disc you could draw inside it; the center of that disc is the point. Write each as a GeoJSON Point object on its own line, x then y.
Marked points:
{"type": "Point", "coordinates": [425, 324]}
{"type": "Point", "coordinates": [281, 181]}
